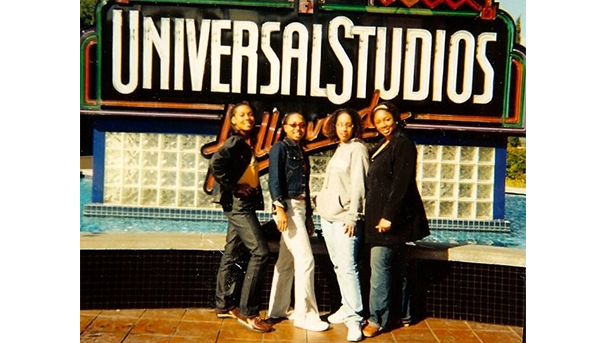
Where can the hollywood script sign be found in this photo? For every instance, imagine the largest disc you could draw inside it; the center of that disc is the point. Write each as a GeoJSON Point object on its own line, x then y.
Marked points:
{"type": "Point", "coordinates": [270, 131]}
{"type": "Point", "coordinates": [315, 63]}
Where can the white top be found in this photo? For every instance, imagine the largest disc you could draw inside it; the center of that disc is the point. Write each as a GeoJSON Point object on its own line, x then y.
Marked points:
{"type": "Point", "coordinates": [342, 194]}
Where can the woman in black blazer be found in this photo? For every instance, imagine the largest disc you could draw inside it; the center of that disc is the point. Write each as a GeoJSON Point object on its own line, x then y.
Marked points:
{"type": "Point", "coordinates": [394, 212]}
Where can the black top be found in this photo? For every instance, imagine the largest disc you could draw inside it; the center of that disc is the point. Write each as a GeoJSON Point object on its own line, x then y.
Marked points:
{"type": "Point", "coordinates": [392, 193]}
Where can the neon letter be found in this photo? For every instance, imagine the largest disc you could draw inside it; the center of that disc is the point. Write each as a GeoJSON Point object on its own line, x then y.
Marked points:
{"type": "Point", "coordinates": [453, 63]}
{"type": "Point", "coordinates": [483, 39]}
{"type": "Point", "coordinates": [438, 64]}
{"type": "Point", "coordinates": [162, 45]}
{"type": "Point", "coordinates": [133, 65]}
{"type": "Point", "coordinates": [249, 51]}
{"type": "Point", "coordinates": [274, 61]}
{"type": "Point", "coordinates": [216, 50]}
{"type": "Point", "coordinates": [409, 64]}
{"type": "Point", "coordinates": [364, 32]}
{"type": "Point", "coordinates": [396, 62]}
{"type": "Point", "coordinates": [316, 62]}
{"type": "Point", "coordinates": [179, 47]}
{"type": "Point", "coordinates": [333, 38]}
{"type": "Point", "coordinates": [300, 53]}
{"type": "Point", "coordinates": [197, 56]}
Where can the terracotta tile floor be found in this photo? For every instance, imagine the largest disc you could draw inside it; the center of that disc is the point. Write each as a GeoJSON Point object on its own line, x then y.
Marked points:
{"type": "Point", "coordinates": [201, 325]}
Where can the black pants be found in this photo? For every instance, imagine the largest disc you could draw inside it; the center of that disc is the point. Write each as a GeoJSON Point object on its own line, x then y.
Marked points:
{"type": "Point", "coordinates": [244, 235]}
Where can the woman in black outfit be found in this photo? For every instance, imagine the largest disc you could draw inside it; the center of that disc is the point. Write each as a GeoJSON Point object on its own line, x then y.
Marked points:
{"type": "Point", "coordinates": [394, 210]}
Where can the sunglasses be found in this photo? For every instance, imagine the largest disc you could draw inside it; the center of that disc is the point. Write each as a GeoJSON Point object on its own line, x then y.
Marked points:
{"type": "Point", "coordinates": [297, 125]}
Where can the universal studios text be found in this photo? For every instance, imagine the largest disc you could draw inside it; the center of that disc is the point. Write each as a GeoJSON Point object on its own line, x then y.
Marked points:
{"type": "Point", "coordinates": [328, 57]}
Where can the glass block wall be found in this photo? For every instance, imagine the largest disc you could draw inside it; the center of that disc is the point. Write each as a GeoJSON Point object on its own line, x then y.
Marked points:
{"type": "Point", "coordinates": [167, 170]}
{"type": "Point", "coordinates": [456, 181]}
{"type": "Point", "coordinates": [155, 170]}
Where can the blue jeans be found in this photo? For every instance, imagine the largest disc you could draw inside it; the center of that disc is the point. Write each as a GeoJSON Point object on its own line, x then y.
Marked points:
{"type": "Point", "coordinates": [382, 258]}
{"type": "Point", "coordinates": [243, 234]}
{"type": "Point", "coordinates": [405, 313]}
{"type": "Point", "coordinates": [380, 284]}
{"type": "Point", "coordinates": [343, 252]}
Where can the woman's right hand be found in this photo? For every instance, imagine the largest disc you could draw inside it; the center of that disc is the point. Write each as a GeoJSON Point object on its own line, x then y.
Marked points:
{"type": "Point", "coordinates": [281, 219]}
{"type": "Point", "coordinates": [384, 225]}
{"type": "Point", "coordinates": [350, 231]}
{"type": "Point", "coordinates": [244, 191]}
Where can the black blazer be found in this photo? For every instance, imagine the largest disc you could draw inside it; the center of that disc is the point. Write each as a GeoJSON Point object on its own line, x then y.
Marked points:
{"type": "Point", "coordinates": [392, 193]}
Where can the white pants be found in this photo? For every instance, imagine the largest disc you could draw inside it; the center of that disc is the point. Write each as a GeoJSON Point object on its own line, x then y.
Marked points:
{"type": "Point", "coordinates": [295, 259]}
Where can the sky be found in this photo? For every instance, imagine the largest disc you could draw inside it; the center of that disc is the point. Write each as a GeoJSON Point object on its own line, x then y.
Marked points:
{"type": "Point", "coordinates": [515, 8]}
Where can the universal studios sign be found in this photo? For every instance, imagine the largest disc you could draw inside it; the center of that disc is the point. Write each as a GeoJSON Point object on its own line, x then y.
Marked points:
{"type": "Point", "coordinates": [450, 65]}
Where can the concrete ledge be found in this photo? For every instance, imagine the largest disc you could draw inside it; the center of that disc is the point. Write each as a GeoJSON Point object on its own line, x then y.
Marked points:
{"type": "Point", "coordinates": [515, 190]}
{"type": "Point", "coordinates": [152, 241]}
{"type": "Point", "coordinates": [216, 241]}
{"type": "Point", "coordinates": [470, 253]}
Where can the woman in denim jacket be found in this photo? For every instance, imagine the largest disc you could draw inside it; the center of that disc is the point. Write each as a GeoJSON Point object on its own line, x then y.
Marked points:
{"type": "Point", "coordinates": [289, 189]}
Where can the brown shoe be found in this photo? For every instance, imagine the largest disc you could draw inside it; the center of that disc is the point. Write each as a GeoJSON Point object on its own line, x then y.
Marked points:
{"type": "Point", "coordinates": [370, 330]}
{"type": "Point", "coordinates": [222, 314]}
{"type": "Point", "coordinates": [255, 324]}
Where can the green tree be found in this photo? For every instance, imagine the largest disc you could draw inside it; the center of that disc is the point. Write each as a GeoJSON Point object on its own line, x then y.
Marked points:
{"type": "Point", "coordinates": [518, 35]}
{"type": "Point", "coordinates": [87, 13]}
{"type": "Point", "coordinates": [513, 141]}
{"type": "Point", "coordinates": [516, 166]}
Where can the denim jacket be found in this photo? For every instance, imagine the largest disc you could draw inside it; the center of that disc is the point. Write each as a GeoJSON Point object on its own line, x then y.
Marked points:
{"type": "Point", "coordinates": [288, 173]}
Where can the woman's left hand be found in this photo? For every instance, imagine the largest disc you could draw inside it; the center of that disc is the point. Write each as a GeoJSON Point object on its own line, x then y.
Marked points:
{"type": "Point", "coordinates": [384, 225]}
{"type": "Point", "coordinates": [350, 231]}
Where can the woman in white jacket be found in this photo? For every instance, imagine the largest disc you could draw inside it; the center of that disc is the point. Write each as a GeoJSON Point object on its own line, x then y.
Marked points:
{"type": "Point", "coordinates": [340, 203]}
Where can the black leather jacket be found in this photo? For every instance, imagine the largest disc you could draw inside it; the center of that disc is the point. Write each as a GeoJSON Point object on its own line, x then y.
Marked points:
{"type": "Point", "coordinates": [227, 167]}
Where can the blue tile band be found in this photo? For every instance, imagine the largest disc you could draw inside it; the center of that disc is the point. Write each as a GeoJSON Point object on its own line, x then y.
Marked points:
{"type": "Point", "coordinates": [101, 210]}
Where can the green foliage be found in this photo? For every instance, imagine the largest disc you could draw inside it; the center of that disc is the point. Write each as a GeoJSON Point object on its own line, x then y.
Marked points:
{"type": "Point", "coordinates": [513, 141]}
{"type": "Point", "coordinates": [516, 166]}
{"type": "Point", "coordinates": [518, 35]}
{"type": "Point", "coordinates": [87, 13]}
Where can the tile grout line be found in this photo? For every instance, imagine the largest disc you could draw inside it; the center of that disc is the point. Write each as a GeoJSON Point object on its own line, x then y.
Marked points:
{"type": "Point", "coordinates": [219, 331]}
{"type": "Point", "coordinates": [131, 329]}
{"type": "Point", "coordinates": [433, 333]}
{"type": "Point", "coordinates": [177, 327]}
{"type": "Point", "coordinates": [89, 323]}
{"type": "Point", "coordinates": [514, 332]}
{"type": "Point", "coordinates": [473, 332]}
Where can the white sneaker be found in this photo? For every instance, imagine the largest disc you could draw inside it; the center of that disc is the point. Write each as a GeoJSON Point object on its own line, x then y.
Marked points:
{"type": "Point", "coordinates": [313, 326]}
{"type": "Point", "coordinates": [338, 317]}
{"type": "Point", "coordinates": [354, 331]}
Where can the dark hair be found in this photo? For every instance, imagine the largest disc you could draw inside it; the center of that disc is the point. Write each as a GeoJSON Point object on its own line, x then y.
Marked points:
{"type": "Point", "coordinates": [331, 131]}
{"type": "Point", "coordinates": [232, 129]}
{"type": "Point", "coordinates": [389, 107]}
{"type": "Point", "coordinates": [289, 114]}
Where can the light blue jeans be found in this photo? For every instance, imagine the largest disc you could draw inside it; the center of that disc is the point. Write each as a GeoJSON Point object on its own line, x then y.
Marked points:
{"type": "Point", "coordinates": [381, 258]}
{"type": "Point", "coordinates": [343, 252]}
